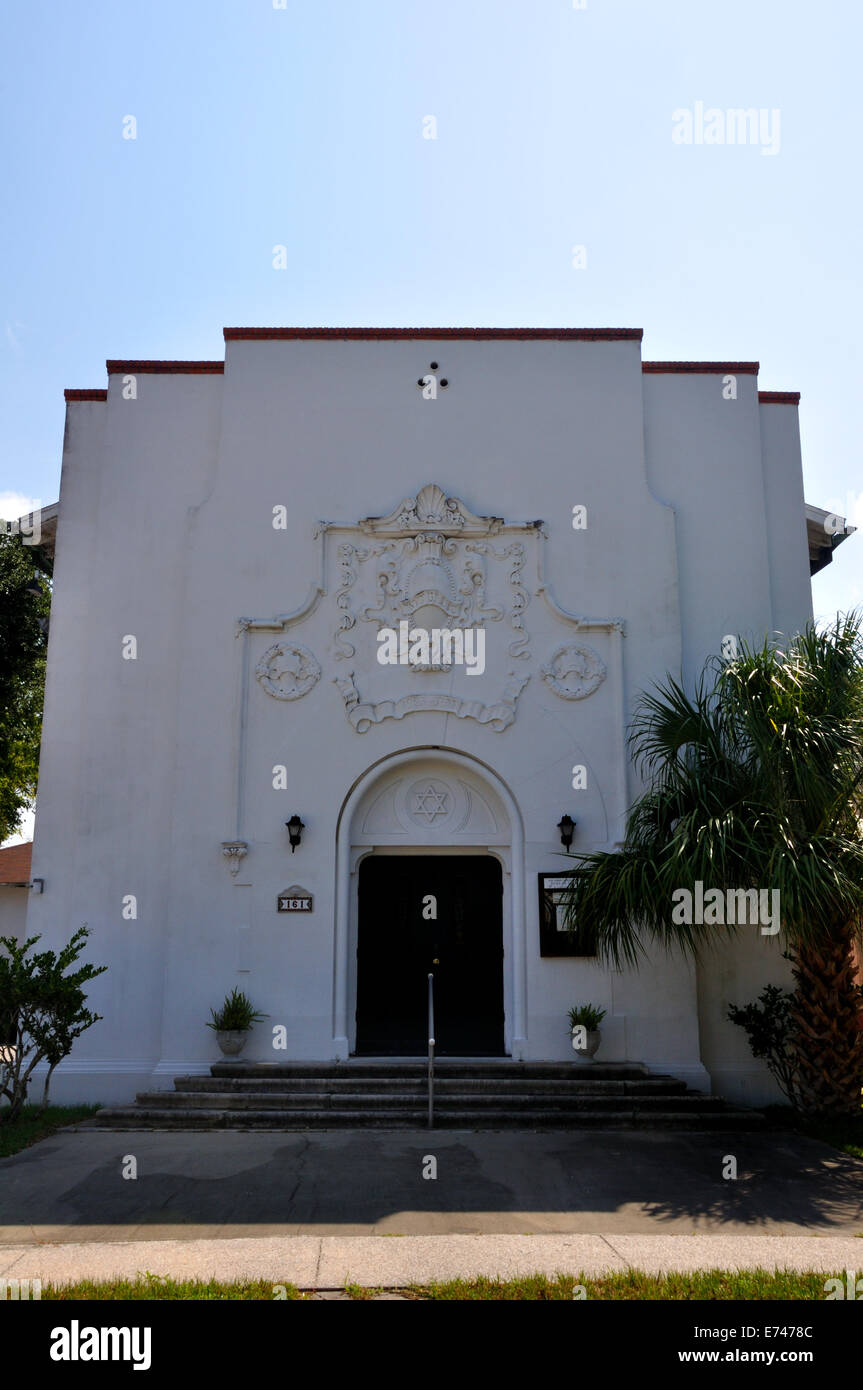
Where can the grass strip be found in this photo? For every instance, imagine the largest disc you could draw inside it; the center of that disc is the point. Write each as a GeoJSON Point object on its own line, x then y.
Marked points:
{"type": "Point", "coordinates": [34, 1124]}
{"type": "Point", "coordinates": [722, 1285]}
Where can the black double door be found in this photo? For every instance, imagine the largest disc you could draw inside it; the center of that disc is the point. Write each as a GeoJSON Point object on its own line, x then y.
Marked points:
{"type": "Point", "coordinates": [438, 914]}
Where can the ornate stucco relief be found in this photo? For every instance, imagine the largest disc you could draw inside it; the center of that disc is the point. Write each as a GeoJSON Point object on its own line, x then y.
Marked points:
{"type": "Point", "coordinates": [574, 672]}
{"type": "Point", "coordinates": [430, 563]}
{"type": "Point", "coordinates": [287, 672]}
{"type": "Point", "coordinates": [363, 715]}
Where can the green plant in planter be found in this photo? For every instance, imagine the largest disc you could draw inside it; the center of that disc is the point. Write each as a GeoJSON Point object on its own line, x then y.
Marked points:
{"type": "Point", "coordinates": [586, 1016]}
{"type": "Point", "coordinates": [236, 1015]}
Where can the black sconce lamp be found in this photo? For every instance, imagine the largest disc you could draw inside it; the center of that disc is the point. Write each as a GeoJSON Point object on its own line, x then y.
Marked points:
{"type": "Point", "coordinates": [566, 826]}
{"type": "Point", "coordinates": [295, 831]}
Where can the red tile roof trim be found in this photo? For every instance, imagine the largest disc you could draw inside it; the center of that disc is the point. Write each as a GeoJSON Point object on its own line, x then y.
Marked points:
{"type": "Point", "coordinates": [86, 393]}
{"type": "Point", "coordinates": [779, 397]}
{"type": "Point", "coordinates": [441, 334]}
{"type": "Point", "coordinates": [15, 863]}
{"type": "Point", "coordinates": [163, 368]}
{"type": "Point", "coordinates": [704, 368]}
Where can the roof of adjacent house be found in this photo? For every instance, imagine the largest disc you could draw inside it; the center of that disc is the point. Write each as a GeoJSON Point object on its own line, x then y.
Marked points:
{"type": "Point", "coordinates": [824, 530]}
{"type": "Point", "coordinates": [15, 864]}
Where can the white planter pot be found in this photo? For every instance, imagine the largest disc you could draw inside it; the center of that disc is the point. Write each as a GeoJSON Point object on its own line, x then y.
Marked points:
{"type": "Point", "coordinates": [583, 1055]}
{"type": "Point", "coordinates": [231, 1041]}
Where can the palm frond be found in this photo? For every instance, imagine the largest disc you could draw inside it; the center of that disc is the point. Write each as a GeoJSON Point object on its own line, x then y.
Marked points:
{"type": "Point", "coordinates": [754, 780]}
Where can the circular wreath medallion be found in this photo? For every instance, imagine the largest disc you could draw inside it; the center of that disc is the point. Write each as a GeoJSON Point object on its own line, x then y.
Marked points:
{"type": "Point", "coordinates": [287, 672]}
{"type": "Point", "coordinates": [574, 672]}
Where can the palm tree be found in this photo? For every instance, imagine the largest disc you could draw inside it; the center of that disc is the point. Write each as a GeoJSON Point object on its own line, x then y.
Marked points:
{"type": "Point", "coordinates": [753, 781]}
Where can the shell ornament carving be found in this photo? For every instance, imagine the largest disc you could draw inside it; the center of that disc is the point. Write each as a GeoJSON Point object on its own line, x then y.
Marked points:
{"type": "Point", "coordinates": [287, 672]}
{"type": "Point", "coordinates": [431, 507]}
{"type": "Point", "coordinates": [574, 672]}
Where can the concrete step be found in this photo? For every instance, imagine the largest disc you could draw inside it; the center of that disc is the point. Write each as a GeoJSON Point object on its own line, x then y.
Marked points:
{"type": "Point", "coordinates": [445, 1101]}
{"type": "Point", "coordinates": [471, 1093]}
{"type": "Point", "coordinates": [188, 1117]}
{"type": "Point", "coordinates": [416, 1085]}
{"type": "Point", "coordinates": [281, 1100]}
{"type": "Point", "coordinates": [149, 1117]}
{"type": "Point", "coordinates": [476, 1068]}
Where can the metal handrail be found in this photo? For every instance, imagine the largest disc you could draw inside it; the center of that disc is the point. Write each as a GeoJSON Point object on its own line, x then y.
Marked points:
{"type": "Point", "coordinates": [431, 1050]}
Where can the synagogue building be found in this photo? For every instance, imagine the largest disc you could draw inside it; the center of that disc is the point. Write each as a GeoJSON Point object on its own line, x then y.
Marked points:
{"type": "Point", "coordinates": [347, 632]}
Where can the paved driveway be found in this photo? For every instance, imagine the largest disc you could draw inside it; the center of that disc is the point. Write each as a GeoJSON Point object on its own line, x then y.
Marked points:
{"type": "Point", "coordinates": [352, 1183]}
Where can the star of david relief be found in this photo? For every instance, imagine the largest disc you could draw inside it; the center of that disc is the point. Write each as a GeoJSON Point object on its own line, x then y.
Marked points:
{"type": "Point", "coordinates": [429, 801]}
{"type": "Point", "coordinates": [431, 564]}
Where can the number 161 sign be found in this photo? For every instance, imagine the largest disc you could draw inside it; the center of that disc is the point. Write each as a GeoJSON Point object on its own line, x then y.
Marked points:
{"type": "Point", "coordinates": [294, 899]}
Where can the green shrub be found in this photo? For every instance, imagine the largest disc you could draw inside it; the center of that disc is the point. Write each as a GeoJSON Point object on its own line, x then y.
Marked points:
{"type": "Point", "coordinates": [42, 1011]}
{"type": "Point", "coordinates": [770, 1030]}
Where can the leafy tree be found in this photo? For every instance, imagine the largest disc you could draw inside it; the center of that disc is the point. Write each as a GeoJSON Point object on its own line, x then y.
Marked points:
{"type": "Point", "coordinates": [25, 601]}
{"type": "Point", "coordinates": [754, 781]}
{"type": "Point", "coordinates": [42, 1011]}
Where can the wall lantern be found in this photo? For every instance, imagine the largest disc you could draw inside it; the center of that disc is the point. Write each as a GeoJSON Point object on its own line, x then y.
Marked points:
{"type": "Point", "coordinates": [566, 826]}
{"type": "Point", "coordinates": [295, 831]}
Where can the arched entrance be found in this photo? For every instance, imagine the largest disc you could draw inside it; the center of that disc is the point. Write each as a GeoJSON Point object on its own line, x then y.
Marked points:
{"type": "Point", "coordinates": [429, 824]}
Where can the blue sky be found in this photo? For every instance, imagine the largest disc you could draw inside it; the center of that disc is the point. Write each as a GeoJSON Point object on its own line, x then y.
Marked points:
{"type": "Point", "coordinates": [302, 126]}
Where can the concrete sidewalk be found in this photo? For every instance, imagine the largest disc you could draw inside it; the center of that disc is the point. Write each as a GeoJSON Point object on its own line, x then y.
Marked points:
{"type": "Point", "coordinates": [329, 1262]}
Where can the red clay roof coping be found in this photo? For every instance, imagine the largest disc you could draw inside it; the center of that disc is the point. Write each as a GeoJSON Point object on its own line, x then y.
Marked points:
{"type": "Point", "coordinates": [163, 368]}
{"type": "Point", "coordinates": [475, 334]}
{"type": "Point", "coordinates": [86, 393]}
{"type": "Point", "coordinates": [779, 397]}
{"type": "Point", "coordinates": [15, 863]}
{"type": "Point", "coordinates": [705, 368]}
{"type": "Point", "coordinates": [155, 367]}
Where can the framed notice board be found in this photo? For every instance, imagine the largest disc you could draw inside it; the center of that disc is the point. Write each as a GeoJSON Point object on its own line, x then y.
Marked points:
{"type": "Point", "coordinates": [554, 937]}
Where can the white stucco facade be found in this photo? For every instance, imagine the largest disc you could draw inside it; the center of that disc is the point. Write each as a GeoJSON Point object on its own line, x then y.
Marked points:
{"type": "Point", "coordinates": [13, 911]}
{"type": "Point", "coordinates": [256, 640]}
